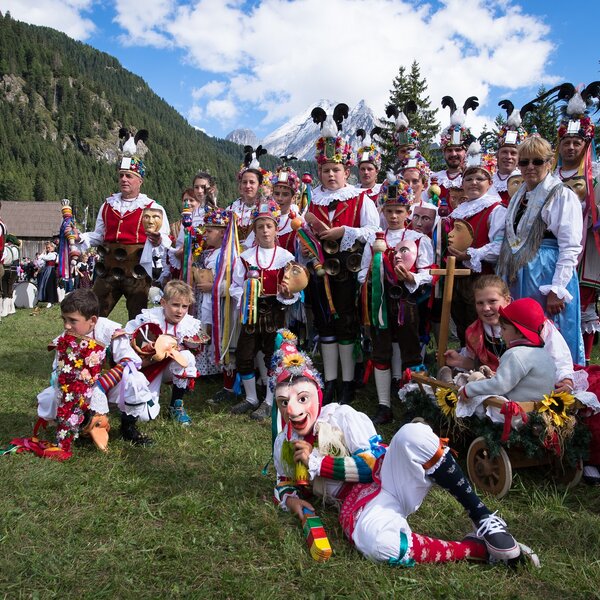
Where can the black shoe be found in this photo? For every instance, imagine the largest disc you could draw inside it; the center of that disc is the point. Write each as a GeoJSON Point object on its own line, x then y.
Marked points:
{"type": "Point", "coordinates": [130, 433]}
{"type": "Point", "coordinates": [242, 408]}
{"type": "Point", "coordinates": [347, 392]}
{"type": "Point", "coordinates": [501, 545]}
{"type": "Point", "coordinates": [383, 415]}
{"type": "Point", "coordinates": [329, 392]}
{"type": "Point", "coordinates": [223, 395]}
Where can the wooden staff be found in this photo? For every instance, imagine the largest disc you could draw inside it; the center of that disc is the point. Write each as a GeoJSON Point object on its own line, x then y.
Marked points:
{"type": "Point", "coordinates": [449, 273]}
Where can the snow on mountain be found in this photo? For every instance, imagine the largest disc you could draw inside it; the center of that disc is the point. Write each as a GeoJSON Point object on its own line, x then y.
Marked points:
{"type": "Point", "coordinates": [244, 137]}
{"type": "Point", "coordinates": [299, 134]}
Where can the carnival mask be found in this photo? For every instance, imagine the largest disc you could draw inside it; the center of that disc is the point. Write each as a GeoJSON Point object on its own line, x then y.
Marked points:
{"type": "Point", "coordinates": [406, 254]}
{"type": "Point", "coordinates": [299, 404]}
{"type": "Point", "coordinates": [423, 219]}
{"type": "Point", "coordinates": [456, 196]}
{"type": "Point", "coordinates": [295, 277]}
{"type": "Point", "coordinates": [513, 184]}
{"type": "Point", "coordinates": [579, 185]}
{"type": "Point", "coordinates": [152, 219]}
{"type": "Point", "coordinates": [461, 236]}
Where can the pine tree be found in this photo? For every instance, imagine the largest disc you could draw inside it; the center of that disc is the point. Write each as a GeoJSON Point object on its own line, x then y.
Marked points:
{"type": "Point", "coordinates": [545, 118]}
{"type": "Point", "coordinates": [411, 86]}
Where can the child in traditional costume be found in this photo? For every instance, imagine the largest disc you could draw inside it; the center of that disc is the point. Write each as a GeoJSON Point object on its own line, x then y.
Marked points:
{"type": "Point", "coordinates": [335, 452]}
{"type": "Point", "coordinates": [341, 217]}
{"type": "Point", "coordinates": [395, 268]}
{"type": "Point", "coordinates": [476, 230]}
{"type": "Point", "coordinates": [368, 161]}
{"type": "Point", "coordinates": [164, 337]}
{"type": "Point", "coordinates": [47, 283]}
{"type": "Point", "coordinates": [77, 399]}
{"type": "Point", "coordinates": [262, 296]}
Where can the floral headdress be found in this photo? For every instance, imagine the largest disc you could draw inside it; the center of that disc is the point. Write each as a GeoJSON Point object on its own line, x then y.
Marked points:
{"type": "Point", "coordinates": [216, 216]}
{"type": "Point", "coordinates": [456, 134]}
{"type": "Point", "coordinates": [288, 362]}
{"type": "Point", "coordinates": [395, 192]}
{"type": "Point", "coordinates": [285, 175]}
{"type": "Point", "coordinates": [576, 120]}
{"type": "Point", "coordinates": [266, 209]}
{"type": "Point", "coordinates": [512, 132]}
{"type": "Point", "coordinates": [416, 160]}
{"type": "Point", "coordinates": [403, 135]}
{"type": "Point", "coordinates": [331, 147]}
{"type": "Point", "coordinates": [482, 160]}
{"type": "Point", "coordinates": [130, 160]}
{"type": "Point", "coordinates": [368, 151]}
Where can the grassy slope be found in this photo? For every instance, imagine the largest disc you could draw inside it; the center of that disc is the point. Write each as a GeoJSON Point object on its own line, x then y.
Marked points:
{"type": "Point", "coordinates": [192, 516]}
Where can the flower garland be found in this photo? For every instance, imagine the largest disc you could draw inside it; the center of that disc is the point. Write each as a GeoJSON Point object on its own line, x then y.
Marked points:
{"type": "Point", "coordinates": [198, 241]}
{"type": "Point", "coordinates": [80, 362]}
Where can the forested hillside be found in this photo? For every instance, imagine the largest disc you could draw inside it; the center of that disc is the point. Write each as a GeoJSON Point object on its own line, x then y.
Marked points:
{"type": "Point", "coordinates": [61, 105]}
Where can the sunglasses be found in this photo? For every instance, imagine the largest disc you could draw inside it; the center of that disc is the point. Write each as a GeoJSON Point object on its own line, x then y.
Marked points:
{"type": "Point", "coordinates": [537, 162]}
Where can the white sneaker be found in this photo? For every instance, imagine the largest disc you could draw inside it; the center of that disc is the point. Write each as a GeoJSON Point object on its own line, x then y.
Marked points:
{"type": "Point", "coordinates": [501, 545]}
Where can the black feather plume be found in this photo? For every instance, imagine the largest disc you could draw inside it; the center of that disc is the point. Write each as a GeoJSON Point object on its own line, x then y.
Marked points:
{"type": "Point", "coordinates": [361, 133]}
{"type": "Point", "coordinates": [340, 112]}
{"type": "Point", "coordinates": [472, 102]}
{"type": "Point", "coordinates": [410, 107]}
{"type": "Point", "coordinates": [592, 90]}
{"type": "Point", "coordinates": [318, 115]}
{"type": "Point", "coordinates": [142, 135]}
{"type": "Point", "coordinates": [376, 131]}
{"type": "Point", "coordinates": [527, 108]}
{"type": "Point", "coordinates": [260, 151]}
{"type": "Point", "coordinates": [565, 92]}
{"type": "Point", "coordinates": [392, 111]}
{"type": "Point", "coordinates": [123, 133]}
{"type": "Point", "coordinates": [507, 105]}
{"type": "Point", "coordinates": [448, 101]}
{"type": "Point", "coordinates": [248, 149]}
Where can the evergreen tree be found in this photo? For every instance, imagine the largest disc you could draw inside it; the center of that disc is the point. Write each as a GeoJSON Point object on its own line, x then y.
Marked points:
{"type": "Point", "coordinates": [405, 87]}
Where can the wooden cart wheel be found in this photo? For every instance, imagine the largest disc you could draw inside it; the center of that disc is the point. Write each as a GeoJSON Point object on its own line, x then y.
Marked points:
{"type": "Point", "coordinates": [565, 475]}
{"type": "Point", "coordinates": [490, 474]}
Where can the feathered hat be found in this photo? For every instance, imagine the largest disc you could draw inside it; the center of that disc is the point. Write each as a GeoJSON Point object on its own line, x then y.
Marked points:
{"type": "Point", "coordinates": [512, 132]}
{"type": "Point", "coordinates": [403, 135]}
{"type": "Point", "coordinates": [285, 175]}
{"type": "Point", "coordinates": [415, 160]}
{"type": "Point", "coordinates": [214, 216]}
{"type": "Point", "coordinates": [576, 120]}
{"type": "Point", "coordinates": [368, 151]}
{"type": "Point", "coordinates": [456, 134]}
{"type": "Point", "coordinates": [130, 161]}
{"type": "Point", "coordinates": [395, 191]}
{"type": "Point", "coordinates": [331, 147]}
{"type": "Point", "coordinates": [266, 209]}
{"type": "Point", "coordinates": [478, 159]}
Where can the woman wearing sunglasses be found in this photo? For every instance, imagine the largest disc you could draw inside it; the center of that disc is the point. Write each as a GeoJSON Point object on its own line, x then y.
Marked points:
{"type": "Point", "coordinates": [539, 253]}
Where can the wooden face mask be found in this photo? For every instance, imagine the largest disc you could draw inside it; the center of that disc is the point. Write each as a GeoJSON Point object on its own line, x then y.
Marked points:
{"type": "Point", "coordinates": [295, 277]}
{"type": "Point", "coordinates": [406, 254]}
{"type": "Point", "coordinates": [461, 236]}
{"type": "Point", "coordinates": [578, 184]}
{"type": "Point", "coordinates": [152, 219]}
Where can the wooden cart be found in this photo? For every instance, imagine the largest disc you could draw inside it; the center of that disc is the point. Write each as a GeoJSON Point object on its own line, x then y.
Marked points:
{"type": "Point", "coordinates": [493, 474]}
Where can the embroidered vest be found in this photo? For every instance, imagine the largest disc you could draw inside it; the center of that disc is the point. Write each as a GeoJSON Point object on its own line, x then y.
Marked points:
{"type": "Point", "coordinates": [347, 213]}
{"type": "Point", "coordinates": [123, 229]}
{"type": "Point", "coordinates": [269, 279]}
{"type": "Point", "coordinates": [475, 342]}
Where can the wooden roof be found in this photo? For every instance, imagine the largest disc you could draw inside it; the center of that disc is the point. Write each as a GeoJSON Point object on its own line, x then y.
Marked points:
{"type": "Point", "coordinates": [40, 220]}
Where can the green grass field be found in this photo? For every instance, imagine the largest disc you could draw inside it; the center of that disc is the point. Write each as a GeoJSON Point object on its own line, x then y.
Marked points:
{"type": "Point", "coordinates": [192, 517]}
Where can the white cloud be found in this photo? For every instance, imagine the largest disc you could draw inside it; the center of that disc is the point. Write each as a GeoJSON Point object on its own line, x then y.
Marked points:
{"type": "Point", "coordinates": [212, 89]}
{"type": "Point", "coordinates": [195, 113]}
{"type": "Point", "coordinates": [283, 55]}
{"type": "Point", "coordinates": [143, 21]}
{"type": "Point", "coordinates": [63, 15]}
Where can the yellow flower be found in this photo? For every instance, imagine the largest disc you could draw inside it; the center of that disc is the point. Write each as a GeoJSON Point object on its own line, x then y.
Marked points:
{"type": "Point", "coordinates": [79, 363]}
{"type": "Point", "coordinates": [91, 344]}
{"type": "Point", "coordinates": [288, 335]}
{"type": "Point", "coordinates": [64, 388]}
{"type": "Point", "coordinates": [293, 360]}
{"type": "Point", "coordinates": [557, 404]}
{"type": "Point", "coordinates": [447, 401]}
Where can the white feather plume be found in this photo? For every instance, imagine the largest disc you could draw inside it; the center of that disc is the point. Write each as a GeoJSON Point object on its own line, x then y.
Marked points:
{"type": "Point", "coordinates": [514, 119]}
{"type": "Point", "coordinates": [401, 121]}
{"type": "Point", "coordinates": [576, 105]}
{"type": "Point", "coordinates": [457, 117]}
{"type": "Point", "coordinates": [329, 127]}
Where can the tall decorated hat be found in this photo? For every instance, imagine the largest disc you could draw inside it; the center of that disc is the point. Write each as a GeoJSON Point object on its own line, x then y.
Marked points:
{"type": "Point", "coordinates": [415, 160]}
{"type": "Point", "coordinates": [331, 147]}
{"type": "Point", "coordinates": [576, 120]}
{"type": "Point", "coordinates": [251, 161]}
{"type": "Point", "coordinates": [266, 209]}
{"type": "Point", "coordinates": [368, 151]}
{"type": "Point", "coordinates": [478, 158]}
{"type": "Point", "coordinates": [285, 175]}
{"type": "Point", "coordinates": [395, 192]}
{"type": "Point", "coordinates": [403, 135]}
{"type": "Point", "coordinates": [512, 132]}
{"type": "Point", "coordinates": [214, 216]}
{"type": "Point", "coordinates": [457, 133]}
{"type": "Point", "coordinates": [130, 160]}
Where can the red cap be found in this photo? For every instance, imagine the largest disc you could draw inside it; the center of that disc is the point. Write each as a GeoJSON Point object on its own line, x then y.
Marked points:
{"type": "Point", "coordinates": [527, 316]}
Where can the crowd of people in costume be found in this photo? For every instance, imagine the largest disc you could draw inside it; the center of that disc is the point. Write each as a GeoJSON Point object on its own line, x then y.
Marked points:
{"type": "Point", "coordinates": [350, 271]}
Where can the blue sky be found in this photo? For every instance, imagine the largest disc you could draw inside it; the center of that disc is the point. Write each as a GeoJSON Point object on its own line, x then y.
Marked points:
{"type": "Point", "coordinates": [255, 64]}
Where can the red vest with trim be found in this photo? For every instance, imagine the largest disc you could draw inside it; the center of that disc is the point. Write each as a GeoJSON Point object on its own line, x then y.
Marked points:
{"type": "Point", "coordinates": [124, 229]}
{"type": "Point", "coordinates": [481, 230]}
{"type": "Point", "coordinates": [288, 241]}
{"type": "Point", "coordinates": [475, 342]}
{"type": "Point", "coordinates": [347, 212]}
{"type": "Point", "coordinates": [269, 279]}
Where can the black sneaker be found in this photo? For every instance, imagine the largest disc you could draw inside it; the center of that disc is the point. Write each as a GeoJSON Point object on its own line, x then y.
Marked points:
{"type": "Point", "coordinates": [329, 392]}
{"type": "Point", "coordinates": [383, 415]}
{"type": "Point", "coordinates": [130, 433]}
{"type": "Point", "coordinates": [347, 395]}
{"type": "Point", "coordinates": [501, 545]}
{"type": "Point", "coordinates": [241, 408]}
{"type": "Point", "coordinates": [223, 395]}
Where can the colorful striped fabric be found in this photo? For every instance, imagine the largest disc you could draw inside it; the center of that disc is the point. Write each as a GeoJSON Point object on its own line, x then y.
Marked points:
{"type": "Point", "coordinates": [356, 468]}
